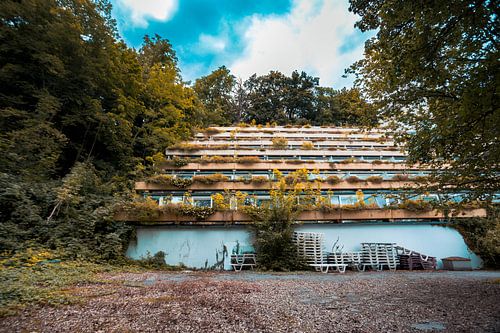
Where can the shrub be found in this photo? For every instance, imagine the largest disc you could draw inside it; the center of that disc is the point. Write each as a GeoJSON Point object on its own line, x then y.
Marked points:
{"type": "Point", "coordinates": [400, 177]}
{"type": "Point", "coordinates": [377, 162]}
{"type": "Point", "coordinates": [420, 179]}
{"type": "Point", "coordinates": [156, 261]}
{"type": "Point", "coordinates": [333, 180]}
{"type": "Point", "coordinates": [169, 180]}
{"type": "Point", "coordinates": [260, 179]}
{"type": "Point", "coordinates": [186, 147]}
{"type": "Point", "coordinates": [219, 147]}
{"type": "Point", "coordinates": [211, 131]}
{"type": "Point", "coordinates": [307, 145]}
{"type": "Point", "coordinates": [482, 236]}
{"type": "Point", "coordinates": [210, 179]}
{"type": "Point", "coordinates": [375, 179]}
{"type": "Point", "coordinates": [200, 213]}
{"type": "Point", "coordinates": [279, 143]}
{"type": "Point", "coordinates": [248, 160]}
{"type": "Point", "coordinates": [177, 161]}
{"type": "Point", "coordinates": [353, 179]}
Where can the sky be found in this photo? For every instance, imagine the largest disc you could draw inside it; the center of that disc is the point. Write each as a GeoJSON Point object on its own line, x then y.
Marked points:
{"type": "Point", "coordinates": [249, 36]}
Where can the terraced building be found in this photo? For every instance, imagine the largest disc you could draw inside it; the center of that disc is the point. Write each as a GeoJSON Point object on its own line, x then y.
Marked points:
{"type": "Point", "coordinates": [349, 183]}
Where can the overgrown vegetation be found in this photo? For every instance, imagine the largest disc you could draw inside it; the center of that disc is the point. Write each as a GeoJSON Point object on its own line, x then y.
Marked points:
{"type": "Point", "coordinates": [482, 236]}
{"type": "Point", "coordinates": [273, 229]}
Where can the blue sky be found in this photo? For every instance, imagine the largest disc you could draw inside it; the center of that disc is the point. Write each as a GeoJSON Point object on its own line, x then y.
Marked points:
{"type": "Point", "coordinates": [249, 36]}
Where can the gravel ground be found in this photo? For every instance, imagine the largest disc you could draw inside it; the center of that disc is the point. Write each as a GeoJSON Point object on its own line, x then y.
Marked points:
{"type": "Point", "coordinates": [262, 302]}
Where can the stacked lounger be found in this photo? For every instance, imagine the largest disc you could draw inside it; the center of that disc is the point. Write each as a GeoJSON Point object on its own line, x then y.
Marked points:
{"type": "Point", "coordinates": [310, 248]}
{"type": "Point", "coordinates": [378, 255]}
{"type": "Point", "coordinates": [409, 259]}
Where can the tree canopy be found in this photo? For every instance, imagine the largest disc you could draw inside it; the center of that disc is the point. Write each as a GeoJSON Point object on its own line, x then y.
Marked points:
{"type": "Point", "coordinates": [432, 70]}
{"type": "Point", "coordinates": [277, 98]}
{"type": "Point", "coordinates": [78, 111]}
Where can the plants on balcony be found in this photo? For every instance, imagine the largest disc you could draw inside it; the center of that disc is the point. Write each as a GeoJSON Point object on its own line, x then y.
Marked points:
{"type": "Point", "coordinates": [221, 201]}
{"type": "Point", "coordinates": [415, 205]}
{"type": "Point", "coordinates": [211, 131]}
{"type": "Point", "coordinates": [420, 179]}
{"type": "Point", "coordinates": [169, 180]}
{"type": "Point", "coordinates": [307, 145]}
{"type": "Point", "coordinates": [248, 160]}
{"type": "Point", "coordinates": [210, 179]}
{"type": "Point", "coordinates": [142, 210]}
{"type": "Point", "coordinates": [378, 162]}
{"type": "Point", "coordinates": [353, 179]}
{"type": "Point", "coordinates": [186, 147]}
{"type": "Point", "coordinates": [333, 180]}
{"type": "Point", "coordinates": [200, 213]}
{"type": "Point", "coordinates": [400, 177]}
{"type": "Point", "coordinates": [375, 179]}
{"type": "Point", "coordinates": [260, 179]}
{"type": "Point", "coordinates": [279, 143]}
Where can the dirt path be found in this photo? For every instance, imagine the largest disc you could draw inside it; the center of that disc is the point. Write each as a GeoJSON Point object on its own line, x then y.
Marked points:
{"type": "Point", "coordinates": [255, 302]}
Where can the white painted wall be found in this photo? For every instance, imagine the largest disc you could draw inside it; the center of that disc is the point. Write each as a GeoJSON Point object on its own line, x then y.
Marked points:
{"type": "Point", "coordinates": [196, 246]}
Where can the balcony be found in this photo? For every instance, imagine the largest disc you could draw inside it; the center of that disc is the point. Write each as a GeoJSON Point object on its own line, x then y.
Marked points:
{"type": "Point", "coordinates": [237, 217]}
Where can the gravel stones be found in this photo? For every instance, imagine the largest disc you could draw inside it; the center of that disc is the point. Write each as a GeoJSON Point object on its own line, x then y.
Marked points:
{"type": "Point", "coordinates": [254, 302]}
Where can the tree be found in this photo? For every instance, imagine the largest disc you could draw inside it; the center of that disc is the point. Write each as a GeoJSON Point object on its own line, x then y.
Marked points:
{"type": "Point", "coordinates": [433, 71]}
{"type": "Point", "coordinates": [343, 107]}
{"type": "Point", "coordinates": [278, 98]}
{"type": "Point", "coordinates": [215, 93]}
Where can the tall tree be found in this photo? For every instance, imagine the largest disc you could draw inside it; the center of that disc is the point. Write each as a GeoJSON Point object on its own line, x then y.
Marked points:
{"type": "Point", "coordinates": [433, 70]}
{"type": "Point", "coordinates": [215, 91]}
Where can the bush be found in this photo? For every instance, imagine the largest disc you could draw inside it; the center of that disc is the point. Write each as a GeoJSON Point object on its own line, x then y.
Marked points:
{"type": "Point", "coordinates": [400, 177]}
{"type": "Point", "coordinates": [156, 261]}
{"type": "Point", "coordinates": [186, 147]}
{"type": "Point", "coordinates": [416, 205]}
{"type": "Point", "coordinates": [260, 179]}
{"type": "Point", "coordinates": [307, 145]}
{"type": "Point", "coordinates": [200, 213]}
{"type": "Point", "coordinates": [375, 179]}
{"type": "Point", "coordinates": [248, 160]}
{"type": "Point", "coordinates": [482, 236]}
{"type": "Point", "coordinates": [333, 180]}
{"type": "Point", "coordinates": [210, 179]}
{"type": "Point", "coordinates": [169, 180]}
{"type": "Point", "coordinates": [377, 162]}
{"type": "Point", "coordinates": [353, 179]}
{"type": "Point", "coordinates": [279, 143]}
{"type": "Point", "coordinates": [211, 131]}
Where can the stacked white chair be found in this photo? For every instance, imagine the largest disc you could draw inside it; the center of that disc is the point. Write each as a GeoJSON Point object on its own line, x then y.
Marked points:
{"type": "Point", "coordinates": [378, 255]}
{"type": "Point", "coordinates": [310, 248]}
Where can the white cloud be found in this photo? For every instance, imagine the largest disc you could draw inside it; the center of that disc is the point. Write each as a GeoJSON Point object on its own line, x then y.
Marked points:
{"type": "Point", "coordinates": [140, 11]}
{"type": "Point", "coordinates": [309, 38]}
{"type": "Point", "coordinates": [209, 43]}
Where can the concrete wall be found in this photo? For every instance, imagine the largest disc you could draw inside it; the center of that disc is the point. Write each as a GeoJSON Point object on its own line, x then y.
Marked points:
{"type": "Point", "coordinates": [198, 247]}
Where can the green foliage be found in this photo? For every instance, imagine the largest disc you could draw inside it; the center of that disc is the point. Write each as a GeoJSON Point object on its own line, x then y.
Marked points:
{"type": "Point", "coordinates": [215, 93]}
{"type": "Point", "coordinates": [39, 277]}
{"type": "Point", "coordinates": [432, 71]}
{"type": "Point", "coordinates": [279, 143]}
{"type": "Point", "coordinates": [375, 179]}
{"type": "Point", "coordinates": [482, 235]}
{"type": "Point", "coordinates": [273, 229]}
{"type": "Point", "coordinates": [169, 180]}
{"type": "Point", "coordinates": [210, 179]}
